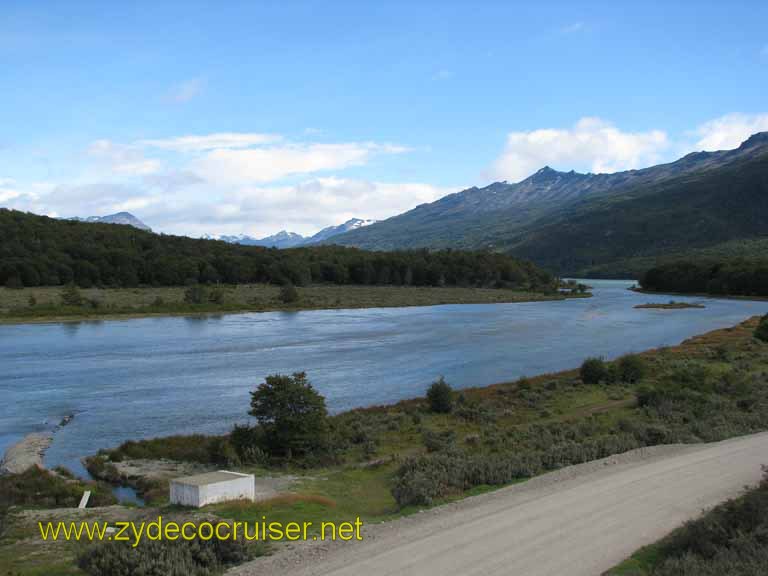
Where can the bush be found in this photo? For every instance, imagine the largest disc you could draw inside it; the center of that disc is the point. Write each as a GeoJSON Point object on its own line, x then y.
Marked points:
{"type": "Point", "coordinates": [729, 540]}
{"type": "Point", "coordinates": [163, 557]}
{"type": "Point", "coordinates": [71, 296]}
{"type": "Point", "coordinates": [593, 371]}
{"type": "Point", "coordinates": [38, 487]}
{"type": "Point", "coordinates": [288, 294]}
{"type": "Point", "coordinates": [249, 443]}
{"type": "Point", "coordinates": [630, 369]}
{"type": "Point", "coordinates": [437, 441]}
{"type": "Point", "coordinates": [761, 333]}
{"type": "Point", "coordinates": [195, 294]}
{"type": "Point", "coordinates": [440, 396]}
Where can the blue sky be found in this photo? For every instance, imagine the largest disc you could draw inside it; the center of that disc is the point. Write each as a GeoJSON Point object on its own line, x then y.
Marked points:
{"type": "Point", "coordinates": [254, 117]}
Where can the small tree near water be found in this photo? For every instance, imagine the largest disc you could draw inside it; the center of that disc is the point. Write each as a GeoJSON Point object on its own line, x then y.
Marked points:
{"type": "Point", "coordinates": [291, 413]}
{"type": "Point", "coordinates": [440, 396]}
{"type": "Point", "coordinates": [593, 370]}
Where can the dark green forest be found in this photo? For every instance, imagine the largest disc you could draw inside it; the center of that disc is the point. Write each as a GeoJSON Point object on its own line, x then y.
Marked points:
{"type": "Point", "coordinates": [41, 251]}
{"type": "Point", "coordinates": [740, 277]}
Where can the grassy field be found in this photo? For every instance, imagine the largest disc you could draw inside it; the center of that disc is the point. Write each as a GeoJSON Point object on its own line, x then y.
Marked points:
{"type": "Point", "coordinates": [45, 304]}
{"type": "Point", "coordinates": [710, 387]}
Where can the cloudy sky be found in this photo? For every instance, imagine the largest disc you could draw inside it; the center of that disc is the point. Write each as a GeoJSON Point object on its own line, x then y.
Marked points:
{"type": "Point", "coordinates": [229, 118]}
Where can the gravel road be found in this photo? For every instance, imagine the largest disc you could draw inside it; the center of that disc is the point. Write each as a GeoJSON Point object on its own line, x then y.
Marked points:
{"type": "Point", "coordinates": [578, 521]}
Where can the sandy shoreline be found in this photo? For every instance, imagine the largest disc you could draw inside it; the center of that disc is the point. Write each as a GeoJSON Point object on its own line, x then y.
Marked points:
{"type": "Point", "coordinates": [26, 453]}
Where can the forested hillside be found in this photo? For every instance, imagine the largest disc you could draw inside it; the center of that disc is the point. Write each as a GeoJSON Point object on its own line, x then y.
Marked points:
{"type": "Point", "coordinates": [42, 251]}
{"type": "Point", "coordinates": [733, 277]}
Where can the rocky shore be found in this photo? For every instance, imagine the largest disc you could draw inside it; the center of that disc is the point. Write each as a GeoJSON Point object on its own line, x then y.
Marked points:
{"type": "Point", "coordinates": [26, 453]}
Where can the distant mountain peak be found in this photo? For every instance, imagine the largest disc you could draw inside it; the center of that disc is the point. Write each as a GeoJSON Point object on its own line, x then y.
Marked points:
{"type": "Point", "coordinates": [286, 239]}
{"type": "Point", "coordinates": [758, 139]}
{"type": "Point", "coordinates": [125, 218]}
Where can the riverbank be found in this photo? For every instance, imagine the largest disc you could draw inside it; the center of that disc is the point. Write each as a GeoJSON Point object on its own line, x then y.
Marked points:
{"type": "Point", "coordinates": [32, 305]}
{"type": "Point", "coordinates": [701, 295]}
{"type": "Point", "coordinates": [26, 453]}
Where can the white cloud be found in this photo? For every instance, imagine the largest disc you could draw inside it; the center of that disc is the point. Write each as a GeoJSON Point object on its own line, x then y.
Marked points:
{"type": "Point", "coordinates": [592, 144]}
{"type": "Point", "coordinates": [729, 131]}
{"type": "Point", "coordinates": [185, 91]}
{"type": "Point", "coordinates": [123, 159]}
{"type": "Point", "coordinates": [273, 163]}
{"type": "Point", "coordinates": [202, 143]}
{"type": "Point", "coordinates": [304, 207]}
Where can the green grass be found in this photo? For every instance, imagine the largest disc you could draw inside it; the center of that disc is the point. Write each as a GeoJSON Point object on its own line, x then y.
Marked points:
{"type": "Point", "coordinates": [639, 564]}
{"type": "Point", "coordinates": [44, 304]}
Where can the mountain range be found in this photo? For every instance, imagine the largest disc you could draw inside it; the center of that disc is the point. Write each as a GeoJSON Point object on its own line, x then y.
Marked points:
{"type": "Point", "coordinates": [577, 223]}
{"type": "Point", "coordinates": [609, 225]}
{"type": "Point", "coordinates": [285, 239]}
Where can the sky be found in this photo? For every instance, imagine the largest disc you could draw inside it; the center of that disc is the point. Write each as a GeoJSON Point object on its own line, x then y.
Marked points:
{"type": "Point", "coordinates": [253, 117]}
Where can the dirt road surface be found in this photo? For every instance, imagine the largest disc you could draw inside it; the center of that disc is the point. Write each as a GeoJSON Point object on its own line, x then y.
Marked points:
{"type": "Point", "coordinates": [578, 521]}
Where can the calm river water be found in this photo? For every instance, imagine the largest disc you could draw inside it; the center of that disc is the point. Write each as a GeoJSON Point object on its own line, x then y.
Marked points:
{"type": "Point", "coordinates": [157, 376]}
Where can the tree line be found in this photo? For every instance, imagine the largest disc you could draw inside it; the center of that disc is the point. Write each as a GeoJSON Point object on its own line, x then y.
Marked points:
{"type": "Point", "coordinates": [744, 277]}
{"type": "Point", "coordinates": [41, 251]}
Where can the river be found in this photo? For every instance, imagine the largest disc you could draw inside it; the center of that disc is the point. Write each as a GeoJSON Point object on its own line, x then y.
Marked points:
{"type": "Point", "coordinates": [148, 377]}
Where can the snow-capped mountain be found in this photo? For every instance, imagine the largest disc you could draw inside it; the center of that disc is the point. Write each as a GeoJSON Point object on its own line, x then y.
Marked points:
{"type": "Point", "coordinates": [285, 239]}
{"type": "Point", "coordinates": [118, 218]}
{"type": "Point", "coordinates": [330, 231]}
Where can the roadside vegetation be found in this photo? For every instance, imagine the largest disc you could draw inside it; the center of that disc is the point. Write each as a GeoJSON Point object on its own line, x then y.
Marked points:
{"type": "Point", "coordinates": [729, 540]}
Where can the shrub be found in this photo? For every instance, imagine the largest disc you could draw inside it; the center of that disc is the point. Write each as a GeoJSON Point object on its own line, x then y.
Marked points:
{"type": "Point", "coordinates": [593, 371]}
{"type": "Point", "coordinates": [436, 441]}
{"type": "Point", "coordinates": [761, 333]}
{"type": "Point", "coordinates": [38, 487]}
{"type": "Point", "coordinates": [156, 557]}
{"type": "Point", "coordinates": [71, 296]}
{"type": "Point", "coordinates": [630, 369]}
{"type": "Point", "coordinates": [195, 294]}
{"type": "Point", "coordinates": [440, 396]}
{"type": "Point", "coordinates": [249, 443]}
{"type": "Point", "coordinates": [288, 293]}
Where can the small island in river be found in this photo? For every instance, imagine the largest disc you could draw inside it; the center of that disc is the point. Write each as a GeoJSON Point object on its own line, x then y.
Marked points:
{"type": "Point", "coordinates": [671, 305]}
